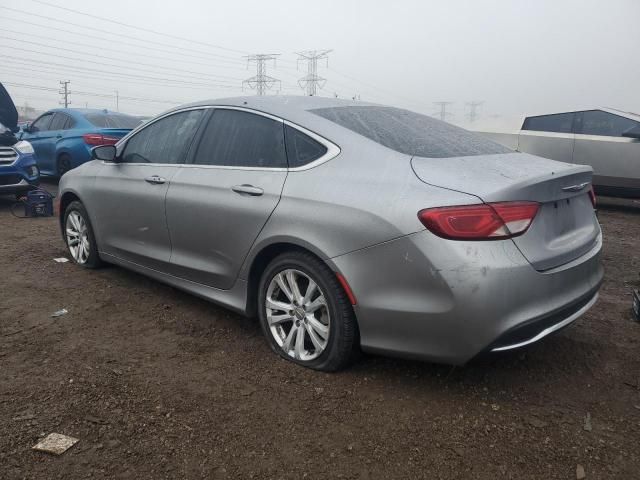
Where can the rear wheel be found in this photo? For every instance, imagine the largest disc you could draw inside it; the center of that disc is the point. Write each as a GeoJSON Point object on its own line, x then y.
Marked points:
{"type": "Point", "coordinates": [305, 314]}
{"type": "Point", "coordinates": [79, 236]}
{"type": "Point", "coordinates": [64, 164]}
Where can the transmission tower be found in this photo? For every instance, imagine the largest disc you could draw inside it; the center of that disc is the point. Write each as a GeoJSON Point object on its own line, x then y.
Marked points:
{"type": "Point", "coordinates": [442, 113]}
{"type": "Point", "coordinates": [261, 82]}
{"type": "Point", "coordinates": [64, 85]}
{"type": "Point", "coordinates": [473, 110]}
{"type": "Point", "coordinates": [311, 82]}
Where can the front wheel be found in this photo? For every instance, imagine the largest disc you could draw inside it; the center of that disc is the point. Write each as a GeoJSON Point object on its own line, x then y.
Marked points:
{"type": "Point", "coordinates": [79, 236]}
{"type": "Point", "coordinates": [64, 164]}
{"type": "Point", "coordinates": [305, 314]}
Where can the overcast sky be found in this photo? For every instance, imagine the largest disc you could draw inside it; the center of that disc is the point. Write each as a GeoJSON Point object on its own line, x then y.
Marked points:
{"type": "Point", "coordinates": [517, 56]}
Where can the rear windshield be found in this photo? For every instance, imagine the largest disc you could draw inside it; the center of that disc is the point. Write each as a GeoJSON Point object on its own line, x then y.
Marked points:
{"type": "Point", "coordinates": [112, 120]}
{"type": "Point", "coordinates": [411, 133]}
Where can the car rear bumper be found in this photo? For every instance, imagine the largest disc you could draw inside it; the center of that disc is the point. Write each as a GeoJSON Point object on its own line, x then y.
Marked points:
{"type": "Point", "coordinates": [447, 301]}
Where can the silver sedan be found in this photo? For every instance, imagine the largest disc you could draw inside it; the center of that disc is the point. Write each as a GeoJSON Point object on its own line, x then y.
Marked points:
{"type": "Point", "coordinates": [344, 226]}
{"type": "Point", "coordinates": [606, 139]}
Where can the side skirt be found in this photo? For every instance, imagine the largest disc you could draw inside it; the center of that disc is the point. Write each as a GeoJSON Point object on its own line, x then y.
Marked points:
{"type": "Point", "coordinates": [235, 298]}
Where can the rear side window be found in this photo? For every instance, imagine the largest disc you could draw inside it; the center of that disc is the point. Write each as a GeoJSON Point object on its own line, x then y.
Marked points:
{"type": "Point", "coordinates": [59, 121]}
{"type": "Point", "coordinates": [70, 123]}
{"type": "Point", "coordinates": [301, 148]}
{"type": "Point", "coordinates": [411, 133]}
{"type": "Point", "coordinates": [112, 120]}
{"type": "Point", "coordinates": [234, 138]}
{"type": "Point", "coordinates": [164, 141]}
{"type": "Point", "coordinates": [597, 122]}
{"type": "Point", "coordinates": [559, 123]}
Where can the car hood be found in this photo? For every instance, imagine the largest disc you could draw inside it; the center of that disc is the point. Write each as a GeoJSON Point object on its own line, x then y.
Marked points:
{"type": "Point", "coordinates": [8, 112]}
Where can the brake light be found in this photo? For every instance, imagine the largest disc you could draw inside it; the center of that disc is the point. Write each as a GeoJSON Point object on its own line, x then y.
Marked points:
{"type": "Point", "coordinates": [592, 196]}
{"type": "Point", "coordinates": [95, 139]}
{"type": "Point", "coordinates": [489, 221]}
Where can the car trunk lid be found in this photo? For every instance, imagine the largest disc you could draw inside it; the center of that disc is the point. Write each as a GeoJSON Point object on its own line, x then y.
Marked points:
{"type": "Point", "coordinates": [114, 132]}
{"type": "Point", "coordinates": [564, 228]}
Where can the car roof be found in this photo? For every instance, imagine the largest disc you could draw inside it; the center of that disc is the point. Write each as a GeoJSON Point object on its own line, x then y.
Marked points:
{"type": "Point", "coordinates": [295, 108]}
{"type": "Point", "coordinates": [615, 111]}
{"type": "Point", "coordinates": [85, 111]}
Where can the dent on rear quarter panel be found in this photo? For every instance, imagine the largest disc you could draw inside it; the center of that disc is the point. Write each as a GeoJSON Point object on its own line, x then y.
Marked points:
{"type": "Point", "coordinates": [365, 196]}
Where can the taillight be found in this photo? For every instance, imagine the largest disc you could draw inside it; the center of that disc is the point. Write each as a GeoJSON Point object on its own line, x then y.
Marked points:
{"type": "Point", "coordinates": [489, 221]}
{"type": "Point", "coordinates": [592, 196]}
{"type": "Point", "coordinates": [99, 139]}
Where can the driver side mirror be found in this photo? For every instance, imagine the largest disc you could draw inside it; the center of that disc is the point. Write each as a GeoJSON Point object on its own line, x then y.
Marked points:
{"type": "Point", "coordinates": [632, 133]}
{"type": "Point", "coordinates": [106, 153]}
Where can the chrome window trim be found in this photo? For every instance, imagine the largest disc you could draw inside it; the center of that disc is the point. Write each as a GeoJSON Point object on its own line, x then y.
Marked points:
{"type": "Point", "coordinates": [333, 150]}
{"type": "Point", "coordinates": [605, 138]}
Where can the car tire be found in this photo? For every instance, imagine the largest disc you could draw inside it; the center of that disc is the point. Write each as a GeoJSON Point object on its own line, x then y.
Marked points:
{"type": "Point", "coordinates": [77, 220]}
{"type": "Point", "coordinates": [63, 165]}
{"type": "Point", "coordinates": [328, 340]}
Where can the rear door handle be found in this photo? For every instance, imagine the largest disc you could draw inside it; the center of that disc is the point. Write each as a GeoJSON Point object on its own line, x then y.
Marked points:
{"type": "Point", "coordinates": [155, 180]}
{"type": "Point", "coordinates": [248, 189]}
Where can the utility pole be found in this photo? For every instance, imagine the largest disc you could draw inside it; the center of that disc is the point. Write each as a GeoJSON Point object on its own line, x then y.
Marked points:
{"type": "Point", "coordinates": [64, 84]}
{"type": "Point", "coordinates": [442, 113]}
{"type": "Point", "coordinates": [117, 101]}
{"type": "Point", "coordinates": [473, 110]}
{"type": "Point", "coordinates": [261, 82]}
{"type": "Point", "coordinates": [311, 82]}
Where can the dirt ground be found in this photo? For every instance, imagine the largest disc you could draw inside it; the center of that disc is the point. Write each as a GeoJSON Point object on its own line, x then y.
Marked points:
{"type": "Point", "coordinates": [159, 384]}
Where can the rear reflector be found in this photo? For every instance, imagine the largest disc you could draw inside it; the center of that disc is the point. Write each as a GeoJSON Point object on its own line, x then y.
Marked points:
{"type": "Point", "coordinates": [98, 139]}
{"type": "Point", "coordinates": [347, 288]}
{"type": "Point", "coordinates": [592, 196]}
{"type": "Point", "coordinates": [489, 221]}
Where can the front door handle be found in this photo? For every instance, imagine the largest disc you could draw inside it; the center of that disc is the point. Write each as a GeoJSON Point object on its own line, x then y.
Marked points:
{"type": "Point", "coordinates": [155, 180]}
{"type": "Point", "coordinates": [248, 189]}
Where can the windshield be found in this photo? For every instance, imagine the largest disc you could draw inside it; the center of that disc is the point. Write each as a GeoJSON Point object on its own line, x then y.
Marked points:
{"type": "Point", "coordinates": [411, 133]}
{"type": "Point", "coordinates": [112, 120]}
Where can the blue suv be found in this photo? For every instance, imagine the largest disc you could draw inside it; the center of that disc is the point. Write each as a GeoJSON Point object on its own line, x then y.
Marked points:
{"type": "Point", "coordinates": [63, 138]}
{"type": "Point", "coordinates": [18, 169]}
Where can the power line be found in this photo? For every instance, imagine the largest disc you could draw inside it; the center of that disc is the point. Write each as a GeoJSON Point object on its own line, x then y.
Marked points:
{"type": "Point", "coordinates": [203, 55]}
{"type": "Point", "coordinates": [119, 35]}
{"type": "Point", "coordinates": [91, 94]}
{"type": "Point", "coordinates": [261, 82]}
{"type": "Point", "coordinates": [442, 113]}
{"type": "Point", "coordinates": [126, 75]}
{"type": "Point", "coordinates": [25, 72]}
{"type": "Point", "coordinates": [142, 29]}
{"type": "Point", "coordinates": [66, 42]}
{"type": "Point", "coordinates": [311, 82]}
{"type": "Point", "coordinates": [192, 74]}
{"type": "Point", "coordinates": [65, 92]}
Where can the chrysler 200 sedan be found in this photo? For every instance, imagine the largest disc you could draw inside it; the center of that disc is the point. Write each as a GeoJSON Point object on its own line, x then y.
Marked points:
{"type": "Point", "coordinates": [343, 226]}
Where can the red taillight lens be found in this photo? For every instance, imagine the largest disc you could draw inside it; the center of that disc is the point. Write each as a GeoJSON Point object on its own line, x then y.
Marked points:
{"type": "Point", "coordinates": [489, 221]}
{"type": "Point", "coordinates": [592, 196]}
{"type": "Point", "coordinates": [98, 139]}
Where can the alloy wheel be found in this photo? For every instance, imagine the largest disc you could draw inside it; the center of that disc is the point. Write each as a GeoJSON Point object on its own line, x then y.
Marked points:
{"type": "Point", "coordinates": [297, 315]}
{"type": "Point", "coordinates": [77, 237]}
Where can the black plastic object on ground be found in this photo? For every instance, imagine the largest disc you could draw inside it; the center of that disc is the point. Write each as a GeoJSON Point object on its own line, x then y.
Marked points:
{"type": "Point", "coordinates": [37, 203]}
{"type": "Point", "coordinates": [636, 305]}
